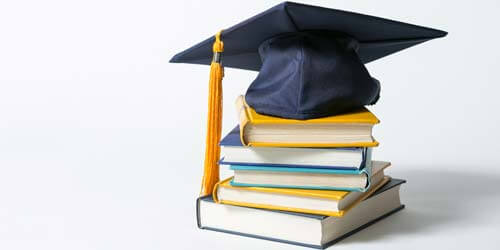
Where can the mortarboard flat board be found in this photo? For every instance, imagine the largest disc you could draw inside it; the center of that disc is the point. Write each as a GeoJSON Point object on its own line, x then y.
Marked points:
{"type": "Point", "coordinates": [378, 37]}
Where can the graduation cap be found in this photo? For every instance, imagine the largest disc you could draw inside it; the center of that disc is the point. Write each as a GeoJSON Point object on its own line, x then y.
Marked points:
{"type": "Point", "coordinates": [310, 61]}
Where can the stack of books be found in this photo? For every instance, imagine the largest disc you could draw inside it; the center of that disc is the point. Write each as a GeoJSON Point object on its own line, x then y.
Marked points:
{"type": "Point", "coordinates": [304, 182]}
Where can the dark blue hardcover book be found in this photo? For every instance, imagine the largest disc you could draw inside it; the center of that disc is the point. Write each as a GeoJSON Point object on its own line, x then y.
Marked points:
{"type": "Point", "coordinates": [235, 153]}
{"type": "Point", "coordinates": [233, 138]}
{"type": "Point", "coordinates": [309, 230]}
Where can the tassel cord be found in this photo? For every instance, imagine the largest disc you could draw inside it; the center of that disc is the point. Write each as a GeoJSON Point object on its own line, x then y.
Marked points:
{"type": "Point", "coordinates": [214, 121]}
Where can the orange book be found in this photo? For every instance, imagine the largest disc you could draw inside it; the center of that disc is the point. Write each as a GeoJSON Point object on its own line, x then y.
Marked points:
{"type": "Point", "coordinates": [346, 130]}
{"type": "Point", "coordinates": [323, 202]}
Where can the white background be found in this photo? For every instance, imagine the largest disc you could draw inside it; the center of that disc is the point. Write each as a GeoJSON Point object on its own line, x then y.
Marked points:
{"type": "Point", "coordinates": [102, 140]}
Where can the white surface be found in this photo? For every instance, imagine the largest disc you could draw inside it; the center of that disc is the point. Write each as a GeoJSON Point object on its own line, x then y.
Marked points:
{"type": "Point", "coordinates": [101, 139]}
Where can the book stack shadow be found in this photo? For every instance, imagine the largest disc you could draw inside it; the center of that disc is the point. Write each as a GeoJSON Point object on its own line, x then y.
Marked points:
{"type": "Point", "coordinates": [304, 182]}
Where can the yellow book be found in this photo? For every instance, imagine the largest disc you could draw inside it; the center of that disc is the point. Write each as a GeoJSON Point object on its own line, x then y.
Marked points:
{"type": "Point", "coordinates": [346, 130]}
{"type": "Point", "coordinates": [322, 202]}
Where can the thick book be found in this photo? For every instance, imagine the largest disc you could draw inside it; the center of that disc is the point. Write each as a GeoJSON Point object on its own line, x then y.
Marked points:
{"type": "Point", "coordinates": [345, 130]}
{"type": "Point", "coordinates": [233, 152]}
{"type": "Point", "coordinates": [307, 178]}
{"type": "Point", "coordinates": [301, 229]}
{"type": "Point", "coordinates": [323, 202]}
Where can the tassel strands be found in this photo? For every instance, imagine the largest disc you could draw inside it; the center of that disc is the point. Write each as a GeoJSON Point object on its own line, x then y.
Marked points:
{"type": "Point", "coordinates": [214, 120]}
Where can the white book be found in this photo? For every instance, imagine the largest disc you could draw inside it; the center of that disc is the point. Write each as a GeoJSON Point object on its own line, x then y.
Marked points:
{"type": "Point", "coordinates": [234, 153]}
{"type": "Point", "coordinates": [297, 228]}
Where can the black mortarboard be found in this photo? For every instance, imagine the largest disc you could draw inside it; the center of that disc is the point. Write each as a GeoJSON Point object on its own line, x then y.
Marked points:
{"type": "Point", "coordinates": [310, 60]}
{"type": "Point", "coordinates": [330, 77]}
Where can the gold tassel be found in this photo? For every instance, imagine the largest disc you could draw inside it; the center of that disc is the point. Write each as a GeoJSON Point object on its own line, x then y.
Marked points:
{"type": "Point", "coordinates": [214, 120]}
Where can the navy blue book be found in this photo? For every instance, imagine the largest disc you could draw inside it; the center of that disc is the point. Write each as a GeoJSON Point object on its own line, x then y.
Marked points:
{"type": "Point", "coordinates": [301, 229]}
{"type": "Point", "coordinates": [234, 153]}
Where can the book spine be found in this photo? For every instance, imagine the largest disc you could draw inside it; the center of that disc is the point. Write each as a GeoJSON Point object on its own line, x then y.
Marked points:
{"type": "Point", "coordinates": [241, 110]}
{"type": "Point", "coordinates": [367, 170]}
{"type": "Point", "coordinates": [198, 219]}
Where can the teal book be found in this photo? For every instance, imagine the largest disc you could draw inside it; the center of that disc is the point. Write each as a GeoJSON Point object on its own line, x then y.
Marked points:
{"type": "Point", "coordinates": [309, 178]}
